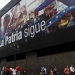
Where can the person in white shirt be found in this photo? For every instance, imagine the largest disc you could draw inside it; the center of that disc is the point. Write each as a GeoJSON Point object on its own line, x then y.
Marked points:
{"type": "Point", "coordinates": [72, 70]}
{"type": "Point", "coordinates": [13, 71]}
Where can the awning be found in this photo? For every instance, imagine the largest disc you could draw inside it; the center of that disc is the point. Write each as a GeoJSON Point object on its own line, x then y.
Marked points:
{"type": "Point", "coordinates": [47, 2]}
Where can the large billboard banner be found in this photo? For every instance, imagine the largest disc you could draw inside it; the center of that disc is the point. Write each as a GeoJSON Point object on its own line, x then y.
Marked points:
{"type": "Point", "coordinates": [35, 18]}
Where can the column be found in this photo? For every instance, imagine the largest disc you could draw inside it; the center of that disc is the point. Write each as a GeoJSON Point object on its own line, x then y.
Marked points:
{"type": "Point", "coordinates": [31, 63]}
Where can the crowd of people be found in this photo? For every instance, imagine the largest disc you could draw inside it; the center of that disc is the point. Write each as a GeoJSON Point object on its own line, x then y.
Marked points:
{"type": "Point", "coordinates": [43, 70]}
{"type": "Point", "coordinates": [65, 20]}
{"type": "Point", "coordinates": [12, 71]}
{"type": "Point", "coordinates": [54, 71]}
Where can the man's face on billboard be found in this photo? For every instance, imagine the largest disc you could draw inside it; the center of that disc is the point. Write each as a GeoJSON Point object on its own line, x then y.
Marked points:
{"type": "Point", "coordinates": [6, 22]}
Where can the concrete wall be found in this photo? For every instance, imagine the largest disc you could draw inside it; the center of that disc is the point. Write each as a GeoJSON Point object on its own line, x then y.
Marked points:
{"type": "Point", "coordinates": [3, 62]}
{"type": "Point", "coordinates": [58, 60]}
{"type": "Point", "coordinates": [32, 63]}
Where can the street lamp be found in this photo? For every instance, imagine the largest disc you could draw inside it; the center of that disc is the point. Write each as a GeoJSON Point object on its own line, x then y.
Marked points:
{"type": "Point", "coordinates": [15, 47]}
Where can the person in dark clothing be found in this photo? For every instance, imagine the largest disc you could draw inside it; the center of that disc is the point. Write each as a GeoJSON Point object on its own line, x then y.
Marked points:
{"type": "Point", "coordinates": [24, 72]}
{"type": "Point", "coordinates": [8, 71]}
{"type": "Point", "coordinates": [55, 71]}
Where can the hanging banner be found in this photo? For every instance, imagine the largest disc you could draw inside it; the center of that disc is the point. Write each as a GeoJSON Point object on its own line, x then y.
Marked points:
{"type": "Point", "coordinates": [35, 18]}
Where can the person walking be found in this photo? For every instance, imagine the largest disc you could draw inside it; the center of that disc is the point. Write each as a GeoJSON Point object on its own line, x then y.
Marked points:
{"type": "Point", "coordinates": [67, 70]}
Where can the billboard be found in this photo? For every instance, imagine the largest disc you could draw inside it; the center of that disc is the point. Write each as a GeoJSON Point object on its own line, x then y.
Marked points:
{"type": "Point", "coordinates": [35, 18]}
